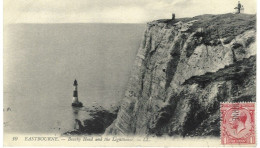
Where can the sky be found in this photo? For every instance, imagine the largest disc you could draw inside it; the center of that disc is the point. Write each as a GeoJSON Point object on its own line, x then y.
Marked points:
{"type": "Point", "coordinates": [114, 11]}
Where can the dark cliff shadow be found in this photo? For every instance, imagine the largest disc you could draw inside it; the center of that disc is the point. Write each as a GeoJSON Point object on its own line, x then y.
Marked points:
{"type": "Point", "coordinates": [97, 124]}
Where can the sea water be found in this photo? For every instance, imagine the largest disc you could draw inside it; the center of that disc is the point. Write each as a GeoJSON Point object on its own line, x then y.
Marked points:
{"type": "Point", "coordinates": [41, 61]}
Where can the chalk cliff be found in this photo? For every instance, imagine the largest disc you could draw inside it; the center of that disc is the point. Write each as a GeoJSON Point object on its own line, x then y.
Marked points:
{"type": "Point", "coordinates": [183, 70]}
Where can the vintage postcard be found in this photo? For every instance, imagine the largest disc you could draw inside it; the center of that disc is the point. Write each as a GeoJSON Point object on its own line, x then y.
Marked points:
{"type": "Point", "coordinates": [129, 73]}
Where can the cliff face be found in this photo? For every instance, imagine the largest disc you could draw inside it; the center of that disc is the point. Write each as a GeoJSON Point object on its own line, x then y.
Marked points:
{"type": "Point", "coordinates": [183, 70]}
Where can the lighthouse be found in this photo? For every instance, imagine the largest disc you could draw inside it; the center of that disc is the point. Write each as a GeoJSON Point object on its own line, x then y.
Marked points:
{"type": "Point", "coordinates": [75, 100]}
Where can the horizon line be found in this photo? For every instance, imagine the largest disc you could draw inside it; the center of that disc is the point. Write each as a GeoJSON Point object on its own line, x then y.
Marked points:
{"type": "Point", "coordinates": [117, 22]}
{"type": "Point", "coordinates": [74, 23]}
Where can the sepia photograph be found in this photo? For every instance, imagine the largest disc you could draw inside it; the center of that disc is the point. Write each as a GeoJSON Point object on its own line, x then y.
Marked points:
{"type": "Point", "coordinates": [129, 73]}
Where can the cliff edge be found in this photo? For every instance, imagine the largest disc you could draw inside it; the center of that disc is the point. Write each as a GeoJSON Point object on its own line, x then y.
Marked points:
{"type": "Point", "coordinates": [183, 70]}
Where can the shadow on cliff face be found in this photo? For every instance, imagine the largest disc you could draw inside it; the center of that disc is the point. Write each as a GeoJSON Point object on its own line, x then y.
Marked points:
{"type": "Point", "coordinates": [233, 82]}
{"type": "Point", "coordinates": [195, 110]}
{"type": "Point", "coordinates": [236, 72]}
{"type": "Point", "coordinates": [97, 124]}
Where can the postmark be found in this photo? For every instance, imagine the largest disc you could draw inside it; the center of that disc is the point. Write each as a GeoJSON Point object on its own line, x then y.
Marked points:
{"type": "Point", "coordinates": [237, 123]}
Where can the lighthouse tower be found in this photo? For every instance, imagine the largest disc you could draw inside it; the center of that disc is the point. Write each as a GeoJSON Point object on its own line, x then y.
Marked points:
{"type": "Point", "coordinates": [75, 92]}
{"type": "Point", "coordinates": [75, 101]}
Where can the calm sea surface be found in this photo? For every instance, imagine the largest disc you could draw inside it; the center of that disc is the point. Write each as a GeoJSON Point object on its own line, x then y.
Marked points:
{"type": "Point", "coordinates": [41, 62]}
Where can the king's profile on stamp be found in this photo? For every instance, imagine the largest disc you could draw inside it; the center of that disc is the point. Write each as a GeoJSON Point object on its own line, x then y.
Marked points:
{"type": "Point", "coordinates": [238, 123]}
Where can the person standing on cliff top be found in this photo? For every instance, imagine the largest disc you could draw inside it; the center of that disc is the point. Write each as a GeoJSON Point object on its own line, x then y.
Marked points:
{"type": "Point", "coordinates": [238, 7]}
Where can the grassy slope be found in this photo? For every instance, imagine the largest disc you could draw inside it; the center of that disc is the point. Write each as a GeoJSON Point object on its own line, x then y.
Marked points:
{"type": "Point", "coordinates": [220, 26]}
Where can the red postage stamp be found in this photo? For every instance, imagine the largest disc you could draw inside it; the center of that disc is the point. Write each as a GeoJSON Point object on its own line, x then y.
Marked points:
{"type": "Point", "coordinates": [238, 123]}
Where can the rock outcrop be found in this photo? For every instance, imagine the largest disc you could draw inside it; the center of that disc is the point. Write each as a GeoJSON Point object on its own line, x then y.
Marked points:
{"type": "Point", "coordinates": [99, 120]}
{"type": "Point", "coordinates": [183, 70]}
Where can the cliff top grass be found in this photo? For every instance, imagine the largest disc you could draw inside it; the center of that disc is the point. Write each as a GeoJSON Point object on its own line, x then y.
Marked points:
{"type": "Point", "coordinates": [219, 26]}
